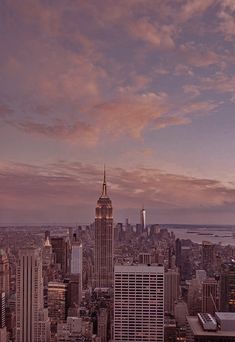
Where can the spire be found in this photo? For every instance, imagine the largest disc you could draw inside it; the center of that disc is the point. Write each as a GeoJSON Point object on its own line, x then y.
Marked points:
{"type": "Point", "coordinates": [104, 189]}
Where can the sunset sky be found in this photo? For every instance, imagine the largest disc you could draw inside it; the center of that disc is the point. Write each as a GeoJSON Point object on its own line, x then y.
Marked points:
{"type": "Point", "coordinates": [146, 87]}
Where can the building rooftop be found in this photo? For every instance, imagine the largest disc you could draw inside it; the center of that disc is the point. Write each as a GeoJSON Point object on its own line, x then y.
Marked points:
{"type": "Point", "coordinates": [227, 316]}
{"type": "Point", "coordinates": [197, 329]}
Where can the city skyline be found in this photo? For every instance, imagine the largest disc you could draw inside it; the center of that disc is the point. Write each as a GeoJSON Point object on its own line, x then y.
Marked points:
{"type": "Point", "coordinates": [146, 87]}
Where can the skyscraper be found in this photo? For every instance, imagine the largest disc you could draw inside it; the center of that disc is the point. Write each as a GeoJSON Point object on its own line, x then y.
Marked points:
{"type": "Point", "coordinates": [210, 295]}
{"type": "Point", "coordinates": [172, 289]}
{"type": "Point", "coordinates": [60, 247]}
{"type": "Point", "coordinates": [104, 240]}
{"type": "Point", "coordinates": [4, 272]}
{"type": "Point", "coordinates": [32, 323]}
{"type": "Point", "coordinates": [143, 219]}
{"type": "Point", "coordinates": [208, 257]}
{"type": "Point", "coordinates": [138, 303]}
{"type": "Point", "coordinates": [57, 302]}
{"type": "Point", "coordinates": [3, 330]}
{"type": "Point", "coordinates": [75, 287]}
{"type": "Point", "coordinates": [227, 287]}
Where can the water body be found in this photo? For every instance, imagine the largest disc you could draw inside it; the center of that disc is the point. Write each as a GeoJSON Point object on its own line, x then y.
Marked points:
{"type": "Point", "coordinates": [218, 235]}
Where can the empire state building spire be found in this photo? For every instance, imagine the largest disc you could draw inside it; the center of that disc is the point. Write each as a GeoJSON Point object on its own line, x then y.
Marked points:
{"type": "Point", "coordinates": [104, 240]}
{"type": "Point", "coordinates": [104, 189]}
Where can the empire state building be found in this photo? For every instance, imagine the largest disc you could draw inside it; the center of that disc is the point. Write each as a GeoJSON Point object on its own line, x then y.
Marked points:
{"type": "Point", "coordinates": [104, 240]}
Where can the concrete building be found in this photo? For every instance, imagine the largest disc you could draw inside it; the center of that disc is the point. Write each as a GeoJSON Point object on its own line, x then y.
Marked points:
{"type": "Point", "coordinates": [227, 287]}
{"type": "Point", "coordinates": [138, 303]}
{"type": "Point", "coordinates": [3, 329]}
{"type": "Point", "coordinates": [172, 290]}
{"type": "Point", "coordinates": [47, 253]}
{"type": "Point", "coordinates": [145, 258]}
{"type": "Point", "coordinates": [32, 323]}
{"type": "Point", "coordinates": [4, 273]}
{"type": "Point", "coordinates": [208, 256]}
{"type": "Point", "coordinates": [103, 324]}
{"type": "Point", "coordinates": [60, 248]}
{"type": "Point", "coordinates": [57, 302]}
{"type": "Point", "coordinates": [104, 240]}
{"type": "Point", "coordinates": [76, 271]}
{"type": "Point", "coordinates": [210, 295]}
{"type": "Point", "coordinates": [194, 297]}
{"type": "Point", "coordinates": [225, 331]}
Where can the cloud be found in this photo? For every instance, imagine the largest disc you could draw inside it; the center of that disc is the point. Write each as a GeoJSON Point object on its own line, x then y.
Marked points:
{"type": "Point", "coordinates": [194, 7]}
{"type": "Point", "coordinates": [199, 56]}
{"type": "Point", "coordinates": [191, 89]}
{"type": "Point", "coordinates": [153, 34]}
{"type": "Point", "coordinates": [130, 114]}
{"type": "Point", "coordinates": [227, 20]}
{"type": "Point", "coordinates": [63, 190]}
{"type": "Point", "coordinates": [78, 131]}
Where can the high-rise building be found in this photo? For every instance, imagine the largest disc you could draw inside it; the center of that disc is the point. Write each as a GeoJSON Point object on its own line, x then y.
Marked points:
{"type": "Point", "coordinates": [4, 272]}
{"type": "Point", "coordinates": [210, 296]}
{"type": "Point", "coordinates": [47, 253]}
{"type": "Point", "coordinates": [208, 256]}
{"type": "Point", "coordinates": [57, 302]}
{"type": "Point", "coordinates": [172, 289]}
{"type": "Point", "coordinates": [60, 247]}
{"type": "Point", "coordinates": [194, 296]}
{"type": "Point", "coordinates": [103, 324]}
{"type": "Point", "coordinates": [32, 323]}
{"type": "Point", "coordinates": [74, 290]}
{"type": "Point", "coordinates": [178, 253]}
{"type": "Point", "coordinates": [3, 329]}
{"type": "Point", "coordinates": [104, 240]}
{"type": "Point", "coordinates": [138, 303]}
{"type": "Point", "coordinates": [227, 286]}
{"type": "Point", "coordinates": [143, 218]}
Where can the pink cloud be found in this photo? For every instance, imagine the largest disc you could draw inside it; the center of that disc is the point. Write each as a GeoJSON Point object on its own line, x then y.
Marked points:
{"type": "Point", "coordinates": [155, 35]}
{"type": "Point", "coordinates": [67, 187]}
{"type": "Point", "coordinates": [194, 7]}
{"type": "Point", "coordinates": [199, 56]}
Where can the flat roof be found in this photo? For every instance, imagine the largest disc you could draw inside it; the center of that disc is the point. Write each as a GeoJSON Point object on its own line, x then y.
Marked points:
{"type": "Point", "coordinates": [199, 331]}
{"type": "Point", "coordinates": [139, 268]}
{"type": "Point", "coordinates": [226, 316]}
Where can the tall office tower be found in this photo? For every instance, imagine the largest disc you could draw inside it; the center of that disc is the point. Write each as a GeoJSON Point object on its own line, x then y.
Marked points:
{"type": "Point", "coordinates": [75, 285]}
{"type": "Point", "coordinates": [210, 296]}
{"type": "Point", "coordinates": [208, 256]}
{"type": "Point", "coordinates": [227, 287]}
{"type": "Point", "coordinates": [103, 324]}
{"type": "Point", "coordinates": [172, 290]}
{"type": "Point", "coordinates": [194, 297]}
{"type": "Point", "coordinates": [3, 329]}
{"type": "Point", "coordinates": [76, 257]}
{"type": "Point", "coordinates": [178, 252]}
{"type": "Point", "coordinates": [60, 247]}
{"type": "Point", "coordinates": [138, 303]}
{"type": "Point", "coordinates": [104, 240]}
{"type": "Point", "coordinates": [74, 291]}
{"type": "Point", "coordinates": [4, 272]}
{"type": "Point", "coordinates": [143, 218]}
{"type": "Point", "coordinates": [47, 253]}
{"type": "Point", "coordinates": [57, 302]}
{"type": "Point", "coordinates": [32, 323]}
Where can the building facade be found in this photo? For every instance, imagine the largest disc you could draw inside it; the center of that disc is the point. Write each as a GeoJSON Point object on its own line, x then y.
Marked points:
{"type": "Point", "coordinates": [32, 323]}
{"type": "Point", "coordinates": [104, 240]}
{"type": "Point", "coordinates": [138, 303]}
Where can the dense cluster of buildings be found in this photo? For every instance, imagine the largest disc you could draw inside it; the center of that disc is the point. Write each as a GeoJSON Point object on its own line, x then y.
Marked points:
{"type": "Point", "coordinates": [107, 282]}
